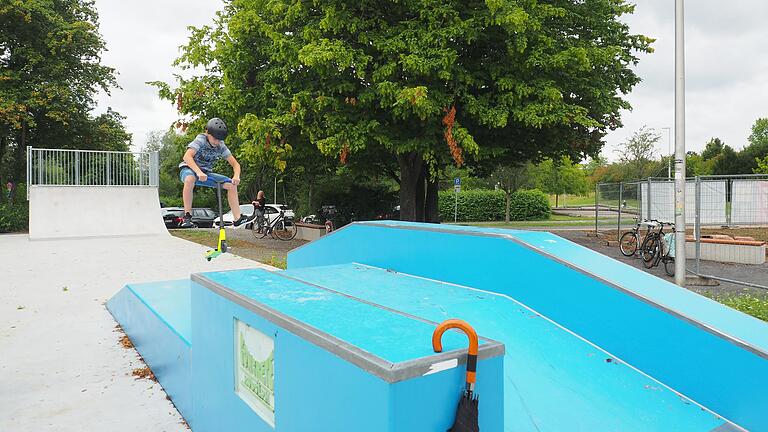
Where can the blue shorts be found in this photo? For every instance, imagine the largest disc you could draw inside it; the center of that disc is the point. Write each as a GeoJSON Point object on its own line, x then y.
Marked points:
{"type": "Point", "coordinates": [212, 178]}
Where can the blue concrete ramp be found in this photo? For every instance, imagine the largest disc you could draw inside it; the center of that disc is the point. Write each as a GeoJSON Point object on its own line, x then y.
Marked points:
{"type": "Point", "coordinates": [591, 343]}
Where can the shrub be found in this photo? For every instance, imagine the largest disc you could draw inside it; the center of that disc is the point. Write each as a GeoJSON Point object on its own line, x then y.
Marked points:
{"type": "Point", "coordinates": [171, 201]}
{"type": "Point", "coordinates": [14, 217]}
{"type": "Point", "coordinates": [473, 205]}
{"type": "Point", "coordinates": [529, 205]}
{"type": "Point", "coordinates": [489, 205]}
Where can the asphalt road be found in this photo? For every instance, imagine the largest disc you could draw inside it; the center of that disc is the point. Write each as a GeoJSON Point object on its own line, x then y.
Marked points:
{"type": "Point", "coordinates": [757, 274]}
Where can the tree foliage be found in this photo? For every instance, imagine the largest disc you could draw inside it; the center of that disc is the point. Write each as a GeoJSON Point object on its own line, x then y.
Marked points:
{"type": "Point", "coordinates": [638, 152]}
{"type": "Point", "coordinates": [50, 71]}
{"type": "Point", "coordinates": [558, 177]}
{"type": "Point", "coordinates": [414, 85]}
{"type": "Point", "coordinates": [762, 165]}
{"type": "Point", "coordinates": [713, 149]}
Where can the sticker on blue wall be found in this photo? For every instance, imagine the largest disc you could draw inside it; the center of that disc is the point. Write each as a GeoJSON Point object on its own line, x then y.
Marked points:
{"type": "Point", "coordinates": [255, 370]}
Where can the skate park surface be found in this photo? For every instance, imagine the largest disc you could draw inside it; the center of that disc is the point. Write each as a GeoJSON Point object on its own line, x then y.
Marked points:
{"type": "Point", "coordinates": [590, 343]}
{"type": "Point", "coordinates": [61, 367]}
{"type": "Point", "coordinates": [628, 352]}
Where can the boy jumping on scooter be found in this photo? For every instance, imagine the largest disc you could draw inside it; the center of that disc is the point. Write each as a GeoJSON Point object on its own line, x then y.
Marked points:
{"type": "Point", "coordinates": [197, 170]}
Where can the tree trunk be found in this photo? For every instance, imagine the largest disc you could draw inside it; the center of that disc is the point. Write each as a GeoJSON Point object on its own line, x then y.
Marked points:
{"type": "Point", "coordinates": [431, 210]}
{"type": "Point", "coordinates": [421, 195]}
{"type": "Point", "coordinates": [309, 197]}
{"type": "Point", "coordinates": [3, 170]}
{"type": "Point", "coordinates": [410, 172]}
{"type": "Point", "coordinates": [507, 196]}
{"type": "Point", "coordinates": [556, 200]}
{"type": "Point", "coordinates": [21, 159]}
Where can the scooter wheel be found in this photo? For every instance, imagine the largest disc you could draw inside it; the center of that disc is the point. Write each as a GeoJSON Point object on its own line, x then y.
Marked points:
{"type": "Point", "coordinates": [208, 259]}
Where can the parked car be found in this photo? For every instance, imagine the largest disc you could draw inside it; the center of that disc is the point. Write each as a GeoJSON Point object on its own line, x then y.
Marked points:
{"type": "Point", "coordinates": [201, 217]}
{"type": "Point", "coordinates": [271, 212]}
{"type": "Point", "coordinates": [172, 216]}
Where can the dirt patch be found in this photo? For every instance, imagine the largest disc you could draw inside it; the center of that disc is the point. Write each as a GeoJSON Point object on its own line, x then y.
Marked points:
{"type": "Point", "coordinates": [760, 234]}
{"type": "Point", "coordinates": [243, 243]}
{"type": "Point", "coordinates": [144, 373]}
{"type": "Point", "coordinates": [125, 342]}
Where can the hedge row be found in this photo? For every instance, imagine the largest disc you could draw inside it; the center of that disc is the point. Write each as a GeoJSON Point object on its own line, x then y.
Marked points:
{"type": "Point", "coordinates": [489, 205]}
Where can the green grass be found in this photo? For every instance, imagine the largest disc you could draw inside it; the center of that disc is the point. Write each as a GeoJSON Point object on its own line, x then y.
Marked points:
{"type": "Point", "coordinates": [573, 200]}
{"type": "Point", "coordinates": [559, 217]}
{"type": "Point", "coordinates": [747, 303]}
{"type": "Point", "coordinates": [278, 262]}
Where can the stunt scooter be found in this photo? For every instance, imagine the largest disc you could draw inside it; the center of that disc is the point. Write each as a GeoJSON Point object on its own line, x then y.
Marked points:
{"type": "Point", "coordinates": [222, 245]}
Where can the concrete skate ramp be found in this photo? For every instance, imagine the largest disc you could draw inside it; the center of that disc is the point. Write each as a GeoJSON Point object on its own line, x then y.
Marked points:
{"type": "Point", "coordinates": [694, 350]}
{"type": "Point", "coordinates": [60, 212]}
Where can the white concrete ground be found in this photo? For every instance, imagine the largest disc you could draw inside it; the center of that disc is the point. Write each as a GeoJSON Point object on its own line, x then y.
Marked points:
{"type": "Point", "coordinates": [61, 368]}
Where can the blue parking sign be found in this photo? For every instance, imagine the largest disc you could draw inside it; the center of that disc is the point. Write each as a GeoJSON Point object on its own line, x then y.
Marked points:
{"type": "Point", "coordinates": [457, 181]}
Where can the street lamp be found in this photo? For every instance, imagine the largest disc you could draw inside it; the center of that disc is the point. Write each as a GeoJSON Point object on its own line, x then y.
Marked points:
{"type": "Point", "coordinates": [679, 143]}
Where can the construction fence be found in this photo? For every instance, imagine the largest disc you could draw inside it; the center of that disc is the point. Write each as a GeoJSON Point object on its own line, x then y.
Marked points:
{"type": "Point", "coordinates": [737, 201]}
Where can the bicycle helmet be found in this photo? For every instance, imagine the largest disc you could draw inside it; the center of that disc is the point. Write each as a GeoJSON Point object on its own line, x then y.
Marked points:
{"type": "Point", "coordinates": [217, 128]}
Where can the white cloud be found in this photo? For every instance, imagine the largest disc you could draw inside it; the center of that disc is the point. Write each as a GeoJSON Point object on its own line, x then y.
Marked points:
{"type": "Point", "coordinates": [142, 39]}
{"type": "Point", "coordinates": [727, 65]}
{"type": "Point", "coordinates": [726, 71]}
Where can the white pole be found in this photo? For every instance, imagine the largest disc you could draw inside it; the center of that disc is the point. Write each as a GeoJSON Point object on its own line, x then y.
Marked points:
{"type": "Point", "coordinates": [456, 189]}
{"type": "Point", "coordinates": [679, 143]}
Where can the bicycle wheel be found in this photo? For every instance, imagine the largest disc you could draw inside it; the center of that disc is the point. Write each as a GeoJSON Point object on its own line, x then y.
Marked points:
{"type": "Point", "coordinates": [669, 266]}
{"type": "Point", "coordinates": [628, 243]}
{"type": "Point", "coordinates": [285, 230]}
{"type": "Point", "coordinates": [257, 232]}
{"type": "Point", "coordinates": [650, 250]}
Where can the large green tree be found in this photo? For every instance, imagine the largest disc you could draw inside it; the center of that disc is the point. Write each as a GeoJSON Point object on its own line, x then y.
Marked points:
{"type": "Point", "coordinates": [50, 71]}
{"type": "Point", "coordinates": [413, 85]}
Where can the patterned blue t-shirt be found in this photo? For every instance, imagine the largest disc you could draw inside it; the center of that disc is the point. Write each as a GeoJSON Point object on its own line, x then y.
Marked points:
{"type": "Point", "coordinates": [206, 153]}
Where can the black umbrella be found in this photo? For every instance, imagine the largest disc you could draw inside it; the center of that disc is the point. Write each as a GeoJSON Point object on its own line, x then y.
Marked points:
{"type": "Point", "coordinates": [467, 412]}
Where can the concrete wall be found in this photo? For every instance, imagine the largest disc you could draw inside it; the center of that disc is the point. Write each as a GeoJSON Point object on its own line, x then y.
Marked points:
{"type": "Point", "coordinates": [309, 232]}
{"type": "Point", "coordinates": [96, 211]}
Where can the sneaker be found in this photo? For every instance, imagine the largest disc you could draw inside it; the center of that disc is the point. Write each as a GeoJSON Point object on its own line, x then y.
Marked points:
{"type": "Point", "coordinates": [243, 219]}
{"type": "Point", "coordinates": [186, 221]}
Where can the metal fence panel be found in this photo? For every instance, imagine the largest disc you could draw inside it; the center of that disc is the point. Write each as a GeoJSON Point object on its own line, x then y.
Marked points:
{"type": "Point", "coordinates": [711, 201]}
{"type": "Point", "coordinates": [57, 167]}
{"type": "Point", "coordinates": [662, 201]}
{"type": "Point", "coordinates": [749, 202]}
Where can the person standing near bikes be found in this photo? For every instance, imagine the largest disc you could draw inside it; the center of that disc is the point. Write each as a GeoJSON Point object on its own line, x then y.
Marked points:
{"type": "Point", "coordinates": [197, 170]}
{"type": "Point", "coordinates": [259, 206]}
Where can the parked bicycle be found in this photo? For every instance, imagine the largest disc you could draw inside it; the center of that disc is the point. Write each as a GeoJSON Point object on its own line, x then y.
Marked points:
{"type": "Point", "coordinates": [669, 257]}
{"type": "Point", "coordinates": [281, 228]}
{"type": "Point", "coordinates": [658, 247]}
{"type": "Point", "coordinates": [630, 240]}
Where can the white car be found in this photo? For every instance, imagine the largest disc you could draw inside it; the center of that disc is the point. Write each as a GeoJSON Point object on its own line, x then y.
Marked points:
{"type": "Point", "coordinates": [271, 212]}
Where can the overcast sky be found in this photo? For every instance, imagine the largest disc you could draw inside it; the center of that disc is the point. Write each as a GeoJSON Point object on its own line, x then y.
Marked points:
{"type": "Point", "coordinates": [726, 48]}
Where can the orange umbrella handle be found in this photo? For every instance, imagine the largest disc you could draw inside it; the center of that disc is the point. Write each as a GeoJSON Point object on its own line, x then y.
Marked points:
{"type": "Point", "coordinates": [437, 344]}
